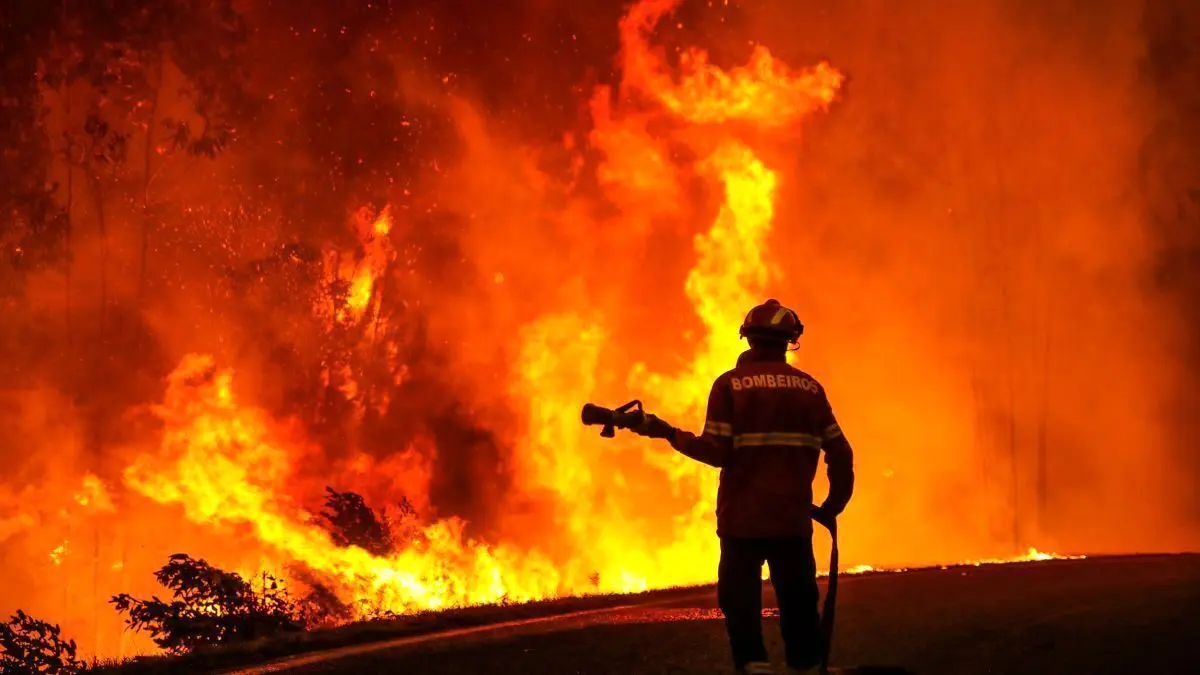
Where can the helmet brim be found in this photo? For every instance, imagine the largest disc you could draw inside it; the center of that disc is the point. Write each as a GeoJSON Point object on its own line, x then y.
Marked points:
{"type": "Point", "coordinates": [770, 334]}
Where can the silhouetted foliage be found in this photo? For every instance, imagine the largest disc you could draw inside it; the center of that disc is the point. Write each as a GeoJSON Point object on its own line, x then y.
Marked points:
{"type": "Point", "coordinates": [28, 645]}
{"type": "Point", "coordinates": [405, 524]}
{"type": "Point", "coordinates": [31, 222]}
{"type": "Point", "coordinates": [210, 607]}
{"type": "Point", "coordinates": [321, 606]}
{"type": "Point", "coordinates": [118, 49]}
{"type": "Point", "coordinates": [352, 523]}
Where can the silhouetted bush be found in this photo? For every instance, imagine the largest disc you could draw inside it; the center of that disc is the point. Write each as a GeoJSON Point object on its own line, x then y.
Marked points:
{"type": "Point", "coordinates": [210, 607]}
{"type": "Point", "coordinates": [352, 523]}
{"type": "Point", "coordinates": [28, 645]}
{"type": "Point", "coordinates": [320, 607]}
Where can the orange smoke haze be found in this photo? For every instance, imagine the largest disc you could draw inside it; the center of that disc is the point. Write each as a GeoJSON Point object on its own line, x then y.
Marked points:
{"type": "Point", "coordinates": [948, 196]}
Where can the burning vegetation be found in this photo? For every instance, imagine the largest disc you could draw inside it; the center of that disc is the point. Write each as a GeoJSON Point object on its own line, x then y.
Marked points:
{"type": "Point", "coordinates": [313, 292]}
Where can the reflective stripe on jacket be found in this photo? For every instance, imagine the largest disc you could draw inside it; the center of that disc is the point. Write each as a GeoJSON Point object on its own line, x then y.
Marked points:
{"type": "Point", "coordinates": [766, 425]}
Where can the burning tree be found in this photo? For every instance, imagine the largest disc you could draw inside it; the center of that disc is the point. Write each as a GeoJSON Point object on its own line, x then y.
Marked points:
{"type": "Point", "coordinates": [352, 523]}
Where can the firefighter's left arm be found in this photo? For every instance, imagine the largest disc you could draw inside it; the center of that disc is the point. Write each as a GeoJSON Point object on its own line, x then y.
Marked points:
{"type": "Point", "coordinates": [715, 444]}
{"type": "Point", "coordinates": [839, 462]}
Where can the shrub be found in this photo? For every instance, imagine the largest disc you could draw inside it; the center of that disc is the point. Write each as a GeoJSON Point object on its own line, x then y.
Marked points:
{"type": "Point", "coordinates": [210, 607]}
{"type": "Point", "coordinates": [351, 522]}
{"type": "Point", "coordinates": [28, 645]}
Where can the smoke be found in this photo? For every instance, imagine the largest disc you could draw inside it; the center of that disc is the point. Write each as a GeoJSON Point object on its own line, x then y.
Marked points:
{"type": "Point", "coordinates": [973, 246]}
{"type": "Point", "coordinates": [991, 236]}
{"type": "Point", "coordinates": [1170, 172]}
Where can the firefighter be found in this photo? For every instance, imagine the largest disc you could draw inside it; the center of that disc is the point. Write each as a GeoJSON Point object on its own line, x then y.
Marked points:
{"type": "Point", "coordinates": [766, 426]}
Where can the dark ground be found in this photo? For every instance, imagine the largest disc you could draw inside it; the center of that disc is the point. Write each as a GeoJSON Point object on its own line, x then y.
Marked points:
{"type": "Point", "coordinates": [1126, 615]}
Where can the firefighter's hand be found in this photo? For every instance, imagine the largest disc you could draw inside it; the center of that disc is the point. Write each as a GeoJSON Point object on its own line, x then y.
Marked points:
{"type": "Point", "coordinates": [653, 427]}
{"type": "Point", "coordinates": [823, 515]}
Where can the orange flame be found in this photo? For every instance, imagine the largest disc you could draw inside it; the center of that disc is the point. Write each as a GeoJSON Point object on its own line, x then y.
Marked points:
{"type": "Point", "coordinates": [56, 556]}
{"type": "Point", "coordinates": [765, 91]}
{"type": "Point", "coordinates": [364, 271]}
{"type": "Point", "coordinates": [227, 464]}
{"type": "Point", "coordinates": [94, 494]}
{"type": "Point", "coordinates": [667, 213]}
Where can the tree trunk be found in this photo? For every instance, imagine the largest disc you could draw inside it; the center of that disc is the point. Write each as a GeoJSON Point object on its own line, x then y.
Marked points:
{"type": "Point", "coordinates": [102, 223]}
{"type": "Point", "coordinates": [1008, 318]}
{"type": "Point", "coordinates": [96, 421]}
{"type": "Point", "coordinates": [1010, 363]}
{"type": "Point", "coordinates": [70, 259]}
{"type": "Point", "coordinates": [1043, 450]}
{"type": "Point", "coordinates": [147, 176]}
{"type": "Point", "coordinates": [69, 356]}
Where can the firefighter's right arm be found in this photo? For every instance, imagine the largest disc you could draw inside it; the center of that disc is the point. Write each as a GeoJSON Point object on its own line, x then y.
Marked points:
{"type": "Point", "coordinates": [715, 444]}
{"type": "Point", "coordinates": [839, 463]}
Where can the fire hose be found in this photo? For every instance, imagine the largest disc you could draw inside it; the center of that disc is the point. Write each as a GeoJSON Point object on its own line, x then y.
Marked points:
{"type": "Point", "coordinates": [828, 609]}
{"type": "Point", "coordinates": [631, 415]}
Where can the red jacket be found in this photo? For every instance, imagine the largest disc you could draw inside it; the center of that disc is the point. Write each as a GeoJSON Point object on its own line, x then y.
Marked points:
{"type": "Point", "coordinates": [766, 426]}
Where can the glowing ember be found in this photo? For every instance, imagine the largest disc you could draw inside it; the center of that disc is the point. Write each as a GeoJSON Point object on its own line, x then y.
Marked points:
{"type": "Point", "coordinates": [1032, 555]}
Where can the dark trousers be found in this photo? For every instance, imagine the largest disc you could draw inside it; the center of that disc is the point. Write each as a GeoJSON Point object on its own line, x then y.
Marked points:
{"type": "Point", "coordinates": [739, 593]}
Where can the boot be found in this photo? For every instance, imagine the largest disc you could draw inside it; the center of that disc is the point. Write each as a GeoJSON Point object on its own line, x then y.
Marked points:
{"type": "Point", "coordinates": [756, 668]}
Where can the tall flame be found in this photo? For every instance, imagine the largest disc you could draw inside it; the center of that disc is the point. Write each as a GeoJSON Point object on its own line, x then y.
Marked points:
{"type": "Point", "coordinates": [765, 91]}
{"type": "Point", "coordinates": [229, 464]}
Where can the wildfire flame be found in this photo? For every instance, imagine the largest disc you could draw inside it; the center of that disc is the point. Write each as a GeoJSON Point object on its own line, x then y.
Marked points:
{"type": "Point", "coordinates": [56, 556]}
{"type": "Point", "coordinates": [94, 494]}
{"type": "Point", "coordinates": [1031, 555]}
{"type": "Point", "coordinates": [362, 272]}
{"type": "Point", "coordinates": [226, 463]}
{"type": "Point", "coordinates": [608, 516]}
{"type": "Point", "coordinates": [765, 91]}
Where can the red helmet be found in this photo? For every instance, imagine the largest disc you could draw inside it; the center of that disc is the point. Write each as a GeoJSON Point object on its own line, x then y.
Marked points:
{"type": "Point", "coordinates": [773, 321]}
